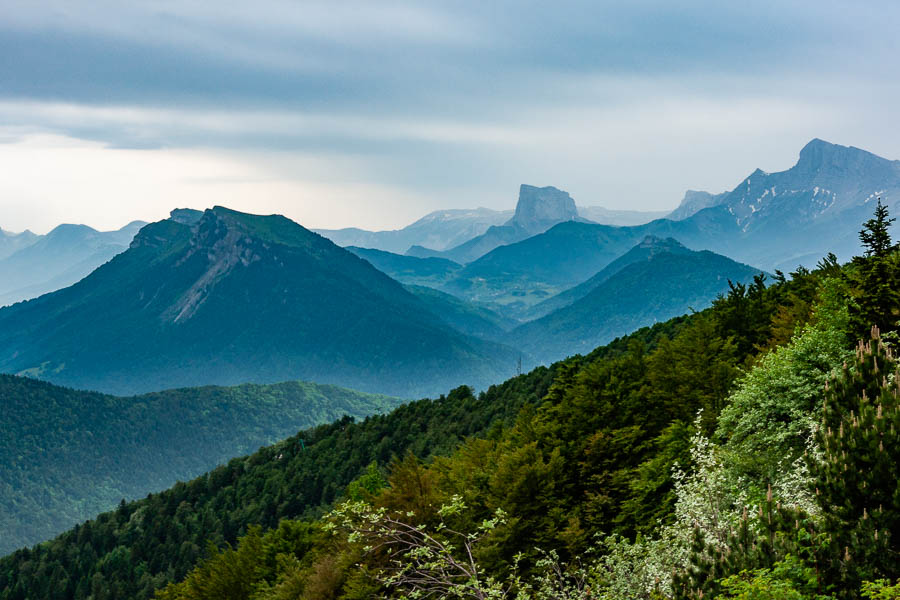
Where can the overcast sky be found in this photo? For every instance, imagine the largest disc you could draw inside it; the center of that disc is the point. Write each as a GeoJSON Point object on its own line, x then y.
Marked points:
{"type": "Point", "coordinates": [371, 114]}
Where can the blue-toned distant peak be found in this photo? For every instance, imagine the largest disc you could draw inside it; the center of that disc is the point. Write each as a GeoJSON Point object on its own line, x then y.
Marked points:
{"type": "Point", "coordinates": [539, 208]}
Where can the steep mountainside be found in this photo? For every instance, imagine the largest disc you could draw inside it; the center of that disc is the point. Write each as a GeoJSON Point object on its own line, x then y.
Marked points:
{"type": "Point", "coordinates": [438, 230]}
{"type": "Point", "coordinates": [240, 298]}
{"type": "Point", "coordinates": [649, 247]}
{"type": "Point", "coordinates": [519, 275]}
{"type": "Point", "coordinates": [66, 455]}
{"type": "Point", "coordinates": [774, 221]}
{"type": "Point", "coordinates": [430, 271]}
{"type": "Point", "coordinates": [667, 284]}
{"type": "Point", "coordinates": [297, 476]}
{"type": "Point", "coordinates": [469, 318]}
{"type": "Point", "coordinates": [799, 215]}
{"type": "Point", "coordinates": [56, 260]}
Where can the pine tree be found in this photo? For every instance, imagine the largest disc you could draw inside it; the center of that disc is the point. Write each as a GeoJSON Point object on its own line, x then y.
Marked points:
{"type": "Point", "coordinates": [875, 235]}
{"type": "Point", "coordinates": [876, 276]}
{"type": "Point", "coordinates": [856, 479]}
{"type": "Point", "coordinates": [759, 541]}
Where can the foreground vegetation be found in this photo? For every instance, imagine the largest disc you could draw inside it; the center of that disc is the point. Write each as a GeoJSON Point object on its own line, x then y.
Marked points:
{"type": "Point", "coordinates": [67, 455]}
{"type": "Point", "coordinates": [747, 451]}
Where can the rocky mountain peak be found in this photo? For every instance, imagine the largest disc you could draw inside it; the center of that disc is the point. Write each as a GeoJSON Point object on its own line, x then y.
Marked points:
{"type": "Point", "coordinates": [539, 208]}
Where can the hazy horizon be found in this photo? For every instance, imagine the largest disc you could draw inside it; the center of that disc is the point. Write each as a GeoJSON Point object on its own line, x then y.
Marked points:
{"type": "Point", "coordinates": [371, 116]}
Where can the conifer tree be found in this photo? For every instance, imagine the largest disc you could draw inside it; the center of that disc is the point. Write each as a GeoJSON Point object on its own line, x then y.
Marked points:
{"type": "Point", "coordinates": [758, 541]}
{"type": "Point", "coordinates": [856, 478]}
{"type": "Point", "coordinates": [877, 276]}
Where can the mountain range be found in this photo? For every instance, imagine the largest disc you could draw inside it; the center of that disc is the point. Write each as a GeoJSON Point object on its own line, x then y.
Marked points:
{"type": "Point", "coordinates": [772, 221]}
{"type": "Point", "coordinates": [229, 298]}
{"type": "Point", "coordinates": [656, 280]}
{"type": "Point", "coordinates": [445, 229]}
{"type": "Point", "coordinates": [66, 455]}
{"type": "Point", "coordinates": [31, 265]}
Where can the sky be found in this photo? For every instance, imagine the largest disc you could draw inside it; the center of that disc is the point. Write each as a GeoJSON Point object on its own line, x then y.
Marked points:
{"type": "Point", "coordinates": [372, 114]}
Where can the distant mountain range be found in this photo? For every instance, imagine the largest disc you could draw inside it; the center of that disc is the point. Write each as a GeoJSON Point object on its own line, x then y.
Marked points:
{"type": "Point", "coordinates": [31, 265]}
{"type": "Point", "coordinates": [438, 230]}
{"type": "Point", "coordinates": [11, 242]}
{"type": "Point", "coordinates": [66, 455]}
{"type": "Point", "coordinates": [772, 221]}
{"type": "Point", "coordinates": [231, 298]}
{"type": "Point", "coordinates": [537, 210]}
{"type": "Point", "coordinates": [655, 281]}
{"type": "Point", "coordinates": [447, 229]}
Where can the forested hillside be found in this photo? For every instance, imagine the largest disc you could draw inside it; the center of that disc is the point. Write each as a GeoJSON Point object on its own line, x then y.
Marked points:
{"type": "Point", "coordinates": [744, 451]}
{"type": "Point", "coordinates": [67, 455]}
{"type": "Point", "coordinates": [225, 298]}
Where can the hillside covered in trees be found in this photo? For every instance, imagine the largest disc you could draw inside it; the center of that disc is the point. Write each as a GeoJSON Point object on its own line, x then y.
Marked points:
{"type": "Point", "coordinates": [746, 451]}
{"type": "Point", "coordinates": [67, 455]}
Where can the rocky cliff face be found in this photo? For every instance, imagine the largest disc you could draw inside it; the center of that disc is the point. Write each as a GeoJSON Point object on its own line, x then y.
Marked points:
{"type": "Point", "coordinates": [539, 209]}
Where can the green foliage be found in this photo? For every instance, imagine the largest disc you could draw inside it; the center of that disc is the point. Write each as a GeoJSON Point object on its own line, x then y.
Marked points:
{"type": "Point", "coordinates": [165, 534]}
{"type": "Point", "coordinates": [67, 455]}
{"type": "Point", "coordinates": [789, 579]}
{"type": "Point", "coordinates": [881, 589]}
{"type": "Point", "coordinates": [876, 277]}
{"type": "Point", "coordinates": [586, 448]}
{"type": "Point", "coordinates": [856, 479]}
{"type": "Point", "coordinates": [769, 417]}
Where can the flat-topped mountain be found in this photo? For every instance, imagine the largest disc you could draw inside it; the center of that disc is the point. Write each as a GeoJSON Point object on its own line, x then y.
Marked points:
{"type": "Point", "coordinates": [537, 210]}
{"type": "Point", "coordinates": [770, 220]}
{"type": "Point", "coordinates": [239, 298]}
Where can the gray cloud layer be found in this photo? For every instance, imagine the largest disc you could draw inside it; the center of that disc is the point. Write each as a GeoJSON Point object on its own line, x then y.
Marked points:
{"type": "Point", "coordinates": [457, 103]}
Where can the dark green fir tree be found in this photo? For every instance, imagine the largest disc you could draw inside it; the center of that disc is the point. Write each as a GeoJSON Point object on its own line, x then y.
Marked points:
{"type": "Point", "coordinates": [857, 476]}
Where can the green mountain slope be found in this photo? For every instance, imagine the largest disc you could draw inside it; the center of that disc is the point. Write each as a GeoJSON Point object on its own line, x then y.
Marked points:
{"type": "Point", "coordinates": [642, 293]}
{"type": "Point", "coordinates": [463, 316]}
{"type": "Point", "coordinates": [409, 269]}
{"type": "Point", "coordinates": [239, 298]}
{"type": "Point", "coordinates": [139, 547]}
{"type": "Point", "coordinates": [66, 455]}
{"type": "Point", "coordinates": [649, 247]}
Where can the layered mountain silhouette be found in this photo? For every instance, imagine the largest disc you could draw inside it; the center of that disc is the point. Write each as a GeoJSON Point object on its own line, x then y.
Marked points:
{"type": "Point", "coordinates": [431, 271]}
{"type": "Point", "coordinates": [649, 247]}
{"type": "Point", "coordinates": [58, 259]}
{"type": "Point", "coordinates": [236, 298]}
{"type": "Point", "coordinates": [537, 210]}
{"type": "Point", "coordinates": [66, 455]}
{"type": "Point", "coordinates": [438, 230]}
{"type": "Point", "coordinates": [10, 242]}
{"type": "Point", "coordinates": [770, 220]}
{"type": "Point", "coordinates": [445, 229]}
{"type": "Point", "coordinates": [663, 279]}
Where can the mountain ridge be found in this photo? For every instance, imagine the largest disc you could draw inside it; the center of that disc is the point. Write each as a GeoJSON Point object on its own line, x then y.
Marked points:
{"type": "Point", "coordinates": [239, 298]}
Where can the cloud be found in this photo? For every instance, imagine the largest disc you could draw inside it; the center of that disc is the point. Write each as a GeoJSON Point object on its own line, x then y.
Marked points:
{"type": "Point", "coordinates": [418, 106]}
